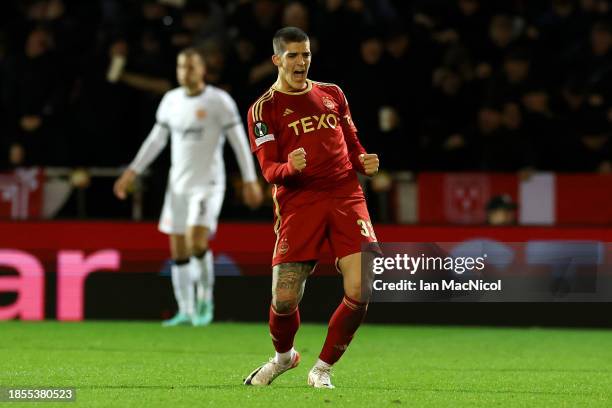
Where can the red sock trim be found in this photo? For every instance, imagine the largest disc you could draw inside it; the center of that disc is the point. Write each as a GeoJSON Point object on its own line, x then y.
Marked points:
{"type": "Point", "coordinates": [352, 303]}
{"type": "Point", "coordinates": [283, 314]}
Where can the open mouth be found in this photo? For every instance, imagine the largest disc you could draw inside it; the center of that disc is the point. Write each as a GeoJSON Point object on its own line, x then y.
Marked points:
{"type": "Point", "coordinates": [299, 74]}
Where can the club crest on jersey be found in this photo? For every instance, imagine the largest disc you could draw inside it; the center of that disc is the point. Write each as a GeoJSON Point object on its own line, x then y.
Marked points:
{"type": "Point", "coordinates": [329, 104]}
{"type": "Point", "coordinates": [260, 129]}
{"type": "Point", "coordinates": [201, 114]}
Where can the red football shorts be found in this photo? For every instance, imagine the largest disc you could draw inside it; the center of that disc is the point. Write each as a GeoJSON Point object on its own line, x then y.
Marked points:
{"type": "Point", "coordinates": [301, 232]}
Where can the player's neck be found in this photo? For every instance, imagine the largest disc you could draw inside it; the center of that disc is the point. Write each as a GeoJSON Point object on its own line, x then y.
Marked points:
{"type": "Point", "coordinates": [284, 86]}
{"type": "Point", "coordinates": [196, 90]}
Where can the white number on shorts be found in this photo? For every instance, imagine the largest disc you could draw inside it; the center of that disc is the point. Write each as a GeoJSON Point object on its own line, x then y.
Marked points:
{"type": "Point", "coordinates": [367, 230]}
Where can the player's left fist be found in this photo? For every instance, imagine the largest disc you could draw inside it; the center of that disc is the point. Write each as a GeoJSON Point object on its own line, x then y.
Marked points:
{"type": "Point", "coordinates": [370, 163]}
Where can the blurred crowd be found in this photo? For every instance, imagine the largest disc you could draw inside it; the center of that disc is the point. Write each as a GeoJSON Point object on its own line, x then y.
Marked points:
{"type": "Point", "coordinates": [505, 85]}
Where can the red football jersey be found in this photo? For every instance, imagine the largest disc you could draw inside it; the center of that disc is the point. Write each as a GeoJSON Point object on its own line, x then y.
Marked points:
{"type": "Point", "coordinates": [317, 119]}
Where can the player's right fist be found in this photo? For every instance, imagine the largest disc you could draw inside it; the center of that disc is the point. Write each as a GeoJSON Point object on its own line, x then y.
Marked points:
{"type": "Point", "coordinates": [297, 159]}
{"type": "Point", "coordinates": [124, 183]}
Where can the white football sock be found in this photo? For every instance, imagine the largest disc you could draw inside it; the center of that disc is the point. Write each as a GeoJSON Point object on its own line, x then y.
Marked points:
{"type": "Point", "coordinates": [284, 358]}
{"type": "Point", "coordinates": [183, 289]}
{"type": "Point", "coordinates": [204, 276]}
{"type": "Point", "coordinates": [323, 365]}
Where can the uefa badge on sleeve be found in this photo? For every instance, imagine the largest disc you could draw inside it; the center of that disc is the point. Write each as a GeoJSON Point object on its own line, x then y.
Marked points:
{"type": "Point", "coordinates": [260, 129]}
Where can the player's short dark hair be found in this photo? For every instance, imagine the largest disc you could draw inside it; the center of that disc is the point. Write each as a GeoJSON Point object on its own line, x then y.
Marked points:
{"type": "Point", "coordinates": [194, 51]}
{"type": "Point", "coordinates": [287, 35]}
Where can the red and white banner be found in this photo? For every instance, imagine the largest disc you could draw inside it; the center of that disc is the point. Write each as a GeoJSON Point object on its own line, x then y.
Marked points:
{"type": "Point", "coordinates": [21, 193]}
{"type": "Point", "coordinates": [542, 199]}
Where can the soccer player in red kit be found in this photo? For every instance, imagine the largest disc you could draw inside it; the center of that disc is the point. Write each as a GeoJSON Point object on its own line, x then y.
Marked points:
{"type": "Point", "coordinates": [307, 146]}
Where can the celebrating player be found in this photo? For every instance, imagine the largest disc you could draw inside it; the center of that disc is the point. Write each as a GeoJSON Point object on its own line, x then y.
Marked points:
{"type": "Point", "coordinates": [307, 146]}
{"type": "Point", "coordinates": [197, 116]}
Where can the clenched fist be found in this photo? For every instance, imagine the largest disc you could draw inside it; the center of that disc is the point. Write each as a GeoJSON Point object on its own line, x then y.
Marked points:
{"type": "Point", "coordinates": [297, 159]}
{"type": "Point", "coordinates": [370, 163]}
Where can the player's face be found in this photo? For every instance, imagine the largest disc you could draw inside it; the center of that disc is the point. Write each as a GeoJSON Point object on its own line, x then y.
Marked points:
{"type": "Point", "coordinates": [293, 65]}
{"type": "Point", "coordinates": [190, 71]}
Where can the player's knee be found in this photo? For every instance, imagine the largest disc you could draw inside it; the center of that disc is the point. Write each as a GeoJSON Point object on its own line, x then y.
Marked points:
{"type": "Point", "coordinates": [353, 293]}
{"type": "Point", "coordinates": [284, 307]}
{"type": "Point", "coordinates": [199, 250]}
{"type": "Point", "coordinates": [358, 292]}
{"type": "Point", "coordinates": [285, 303]}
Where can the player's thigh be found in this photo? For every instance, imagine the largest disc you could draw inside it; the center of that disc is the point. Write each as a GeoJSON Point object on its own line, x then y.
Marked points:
{"type": "Point", "coordinates": [173, 219]}
{"type": "Point", "coordinates": [350, 228]}
{"type": "Point", "coordinates": [300, 233]}
{"type": "Point", "coordinates": [204, 209]}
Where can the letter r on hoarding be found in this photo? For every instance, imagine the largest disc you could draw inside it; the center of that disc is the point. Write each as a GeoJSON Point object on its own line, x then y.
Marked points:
{"type": "Point", "coordinates": [72, 270]}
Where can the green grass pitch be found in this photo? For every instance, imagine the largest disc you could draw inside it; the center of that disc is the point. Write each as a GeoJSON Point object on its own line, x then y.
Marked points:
{"type": "Point", "coordinates": [134, 364]}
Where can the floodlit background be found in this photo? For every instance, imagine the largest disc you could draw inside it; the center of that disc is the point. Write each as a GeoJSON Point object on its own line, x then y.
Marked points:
{"type": "Point", "coordinates": [492, 121]}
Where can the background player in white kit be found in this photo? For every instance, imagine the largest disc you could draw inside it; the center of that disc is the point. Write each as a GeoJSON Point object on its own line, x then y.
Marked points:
{"type": "Point", "coordinates": [197, 116]}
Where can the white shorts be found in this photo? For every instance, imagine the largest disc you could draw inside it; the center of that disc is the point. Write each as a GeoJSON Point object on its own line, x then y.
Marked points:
{"type": "Point", "coordinates": [192, 209]}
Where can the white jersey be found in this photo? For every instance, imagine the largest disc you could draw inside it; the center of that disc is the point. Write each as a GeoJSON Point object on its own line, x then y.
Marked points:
{"type": "Point", "coordinates": [197, 126]}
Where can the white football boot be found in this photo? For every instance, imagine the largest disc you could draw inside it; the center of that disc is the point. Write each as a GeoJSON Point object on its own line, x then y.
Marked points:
{"type": "Point", "coordinates": [265, 374]}
{"type": "Point", "coordinates": [320, 378]}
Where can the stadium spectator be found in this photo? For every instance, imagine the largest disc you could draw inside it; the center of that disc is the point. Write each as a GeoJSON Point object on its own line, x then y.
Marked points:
{"type": "Point", "coordinates": [447, 134]}
{"type": "Point", "coordinates": [255, 22]}
{"type": "Point", "coordinates": [469, 21]}
{"type": "Point", "coordinates": [547, 130]}
{"type": "Point", "coordinates": [199, 22]}
{"type": "Point", "coordinates": [501, 211]}
{"type": "Point", "coordinates": [34, 99]}
{"type": "Point", "coordinates": [334, 19]}
{"type": "Point", "coordinates": [369, 96]}
{"type": "Point", "coordinates": [503, 137]}
{"type": "Point", "coordinates": [592, 149]}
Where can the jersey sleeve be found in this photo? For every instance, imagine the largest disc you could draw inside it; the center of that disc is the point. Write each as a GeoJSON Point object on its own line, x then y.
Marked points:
{"type": "Point", "coordinates": [234, 130]}
{"type": "Point", "coordinates": [350, 132]}
{"type": "Point", "coordinates": [262, 137]}
{"type": "Point", "coordinates": [155, 142]}
{"type": "Point", "coordinates": [261, 125]}
{"type": "Point", "coordinates": [162, 113]}
{"type": "Point", "coordinates": [228, 111]}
